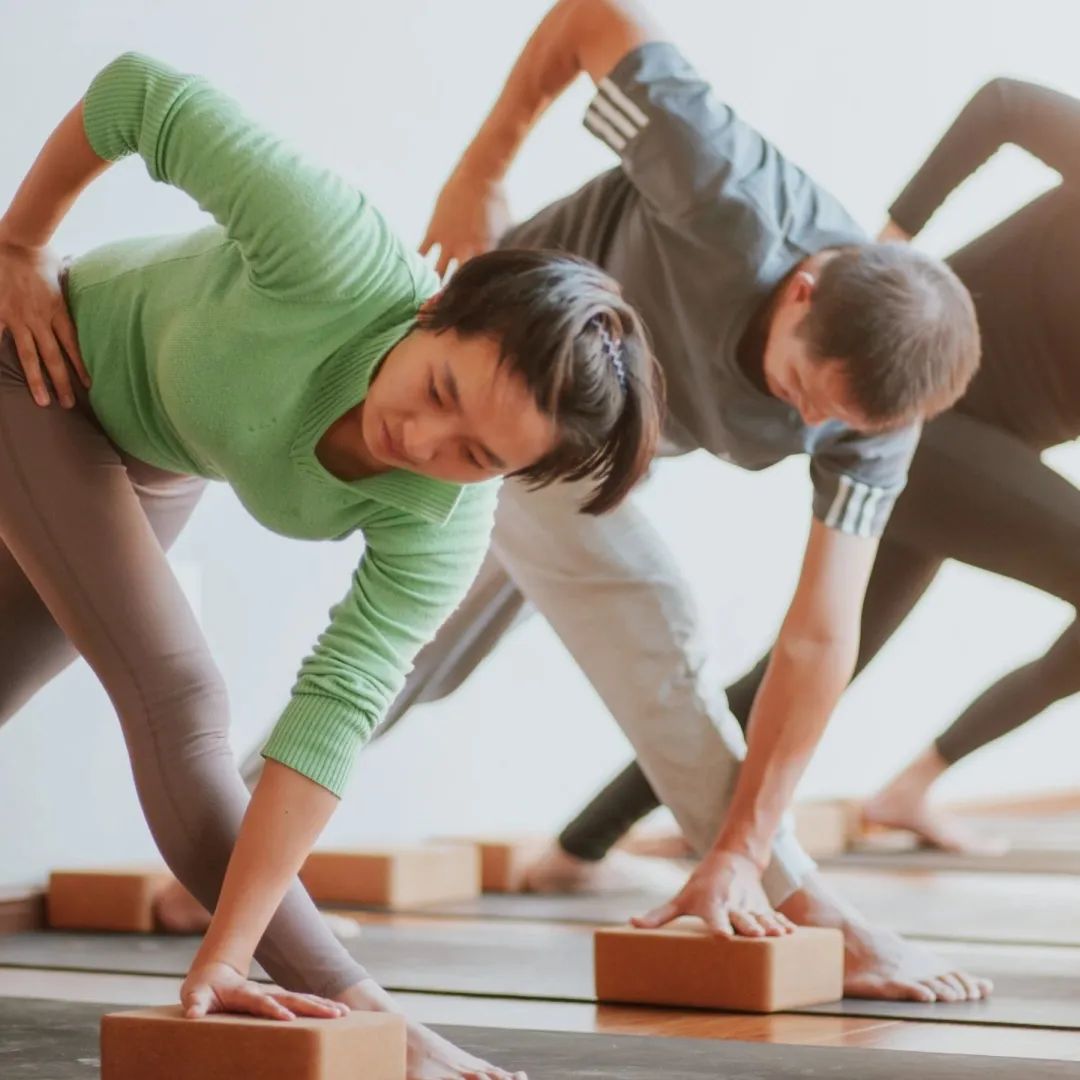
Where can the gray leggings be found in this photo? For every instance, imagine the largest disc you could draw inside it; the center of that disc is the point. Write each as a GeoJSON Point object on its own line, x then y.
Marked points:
{"type": "Point", "coordinates": [83, 528]}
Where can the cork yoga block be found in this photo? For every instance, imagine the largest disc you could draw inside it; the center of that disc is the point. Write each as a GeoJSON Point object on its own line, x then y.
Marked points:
{"type": "Point", "coordinates": [685, 965]}
{"type": "Point", "coordinates": [393, 877]}
{"type": "Point", "coordinates": [160, 1043]}
{"type": "Point", "coordinates": [504, 860]}
{"type": "Point", "coordinates": [121, 900]}
{"type": "Point", "coordinates": [826, 827]}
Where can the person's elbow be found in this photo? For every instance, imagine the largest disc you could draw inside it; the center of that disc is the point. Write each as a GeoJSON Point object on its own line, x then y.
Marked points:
{"type": "Point", "coordinates": [604, 31]}
{"type": "Point", "coordinates": [994, 101]}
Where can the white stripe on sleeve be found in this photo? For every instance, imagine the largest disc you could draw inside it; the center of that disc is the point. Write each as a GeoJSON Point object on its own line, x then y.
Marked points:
{"type": "Point", "coordinates": [853, 513]}
{"type": "Point", "coordinates": [599, 126]}
{"type": "Point", "coordinates": [839, 500]}
{"type": "Point", "coordinates": [870, 509]}
{"type": "Point", "coordinates": [617, 119]}
{"type": "Point", "coordinates": [618, 98]}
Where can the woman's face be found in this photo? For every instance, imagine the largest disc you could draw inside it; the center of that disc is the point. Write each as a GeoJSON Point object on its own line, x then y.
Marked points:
{"type": "Point", "coordinates": [442, 405]}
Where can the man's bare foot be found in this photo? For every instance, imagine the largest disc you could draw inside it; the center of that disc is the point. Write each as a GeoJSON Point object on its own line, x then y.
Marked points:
{"type": "Point", "coordinates": [178, 912]}
{"type": "Point", "coordinates": [556, 871]}
{"type": "Point", "coordinates": [933, 827]}
{"type": "Point", "coordinates": [877, 962]}
{"type": "Point", "coordinates": [430, 1056]}
{"type": "Point", "coordinates": [905, 804]}
{"type": "Point", "coordinates": [667, 845]}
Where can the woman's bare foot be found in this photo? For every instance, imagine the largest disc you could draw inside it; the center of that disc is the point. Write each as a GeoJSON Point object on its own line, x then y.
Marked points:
{"type": "Point", "coordinates": [877, 962]}
{"type": "Point", "coordinates": [556, 871]}
{"type": "Point", "coordinates": [178, 912]}
{"type": "Point", "coordinates": [905, 804]}
{"type": "Point", "coordinates": [430, 1056]}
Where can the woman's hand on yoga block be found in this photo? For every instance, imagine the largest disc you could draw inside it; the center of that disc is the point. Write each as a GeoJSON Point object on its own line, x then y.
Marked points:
{"type": "Point", "coordinates": [219, 988]}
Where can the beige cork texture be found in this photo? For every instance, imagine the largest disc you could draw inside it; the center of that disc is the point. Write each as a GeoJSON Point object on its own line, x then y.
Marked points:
{"type": "Point", "coordinates": [826, 827]}
{"type": "Point", "coordinates": [162, 1045]}
{"type": "Point", "coordinates": [120, 900]}
{"type": "Point", "coordinates": [684, 965]}
{"type": "Point", "coordinates": [394, 877]}
{"type": "Point", "coordinates": [504, 860]}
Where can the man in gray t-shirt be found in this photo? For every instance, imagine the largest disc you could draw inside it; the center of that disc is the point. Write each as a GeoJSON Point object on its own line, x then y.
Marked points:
{"type": "Point", "coordinates": [780, 331]}
{"type": "Point", "coordinates": [700, 223]}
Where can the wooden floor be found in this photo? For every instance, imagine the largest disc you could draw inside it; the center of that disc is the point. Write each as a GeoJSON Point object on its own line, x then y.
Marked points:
{"type": "Point", "coordinates": [978, 892]}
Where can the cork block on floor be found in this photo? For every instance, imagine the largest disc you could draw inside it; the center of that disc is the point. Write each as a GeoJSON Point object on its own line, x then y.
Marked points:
{"type": "Point", "coordinates": [121, 900]}
{"type": "Point", "coordinates": [826, 827]}
{"type": "Point", "coordinates": [685, 965]}
{"type": "Point", "coordinates": [394, 877]}
{"type": "Point", "coordinates": [160, 1043]}
{"type": "Point", "coordinates": [504, 860]}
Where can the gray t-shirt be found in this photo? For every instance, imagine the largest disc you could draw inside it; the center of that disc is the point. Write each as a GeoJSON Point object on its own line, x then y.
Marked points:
{"type": "Point", "coordinates": [699, 224]}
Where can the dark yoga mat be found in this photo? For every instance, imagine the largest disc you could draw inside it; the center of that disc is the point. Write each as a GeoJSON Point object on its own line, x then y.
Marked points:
{"type": "Point", "coordinates": [58, 1040]}
{"type": "Point", "coordinates": [999, 909]}
{"type": "Point", "coordinates": [1039, 845]}
{"type": "Point", "coordinates": [1018, 861]}
{"type": "Point", "coordinates": [1035, 988]}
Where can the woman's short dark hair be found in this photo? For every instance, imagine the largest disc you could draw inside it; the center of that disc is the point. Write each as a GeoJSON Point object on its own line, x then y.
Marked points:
{"type": "Point", "coordinates": [564, 326]}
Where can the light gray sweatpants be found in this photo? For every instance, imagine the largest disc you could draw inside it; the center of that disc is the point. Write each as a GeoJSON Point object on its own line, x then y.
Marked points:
{"type": "Point", "coordinates": [610, 588]}
{"type": "Point", "coordinates": [83, 533]}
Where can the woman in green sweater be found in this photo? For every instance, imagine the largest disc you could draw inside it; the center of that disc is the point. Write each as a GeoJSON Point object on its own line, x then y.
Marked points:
{"type": "Point", "coordinates": [298, 351]}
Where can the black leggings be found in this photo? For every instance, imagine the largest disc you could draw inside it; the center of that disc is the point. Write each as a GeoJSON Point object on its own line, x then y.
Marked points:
{"type": "Point", "coordinates": [975, 494]}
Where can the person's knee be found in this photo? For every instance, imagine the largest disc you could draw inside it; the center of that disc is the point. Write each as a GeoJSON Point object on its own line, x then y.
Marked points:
{"type": "Point", "coordinates": [188, 686]}
{"type": "Point", "coordinates": [1062, 662]}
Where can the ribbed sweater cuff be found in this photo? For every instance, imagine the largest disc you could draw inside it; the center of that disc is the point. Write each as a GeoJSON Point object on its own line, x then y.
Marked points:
{"type": "Point", "coordinates": [317, 737]}
{"type": "Point", "coordinates": [126, 106]}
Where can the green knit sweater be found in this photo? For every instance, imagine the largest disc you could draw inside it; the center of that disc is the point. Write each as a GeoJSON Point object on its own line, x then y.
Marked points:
{"type": "Point", "coordinates": [228, 352]}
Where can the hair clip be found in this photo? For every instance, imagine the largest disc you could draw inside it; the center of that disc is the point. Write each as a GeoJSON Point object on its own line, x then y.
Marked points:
{"type": "Point", "coordinates": [613, 352]}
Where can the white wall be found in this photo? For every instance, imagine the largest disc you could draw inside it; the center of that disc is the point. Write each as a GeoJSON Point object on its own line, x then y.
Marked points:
{"type": "Point", "coordinates": [388, 94]}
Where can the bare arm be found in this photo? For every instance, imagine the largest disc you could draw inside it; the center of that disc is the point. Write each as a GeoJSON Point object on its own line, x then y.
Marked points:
{"type": "Point", "coordinates": [284, 819]}
{"type": "Point", "coordinates": [32, 308]}
{"type": "Point", "coordinates": [63, 169]}
{"type": "Point", "coordinates": [576, 36]}
{"type": "Point", "coordinates": [810, 668]}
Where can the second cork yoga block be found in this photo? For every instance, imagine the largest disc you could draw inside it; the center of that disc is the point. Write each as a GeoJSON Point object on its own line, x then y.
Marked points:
{"type": "Point", "coordinates": [121, 900]}
{"type": "Point", "coordinates": [827, 826]}
{"type": "Point", "coordinates": [393, 877]}
{"type": "Point", "coordinates": [163, 1045]}
{"type": "Point", "coordinates": [504, 860]}
{"type": "Point", "coordinates": [687, 966]}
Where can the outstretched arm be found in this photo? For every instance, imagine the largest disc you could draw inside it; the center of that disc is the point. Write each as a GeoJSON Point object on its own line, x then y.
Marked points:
{"type": "Point", "coordinates": [809, 669]}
